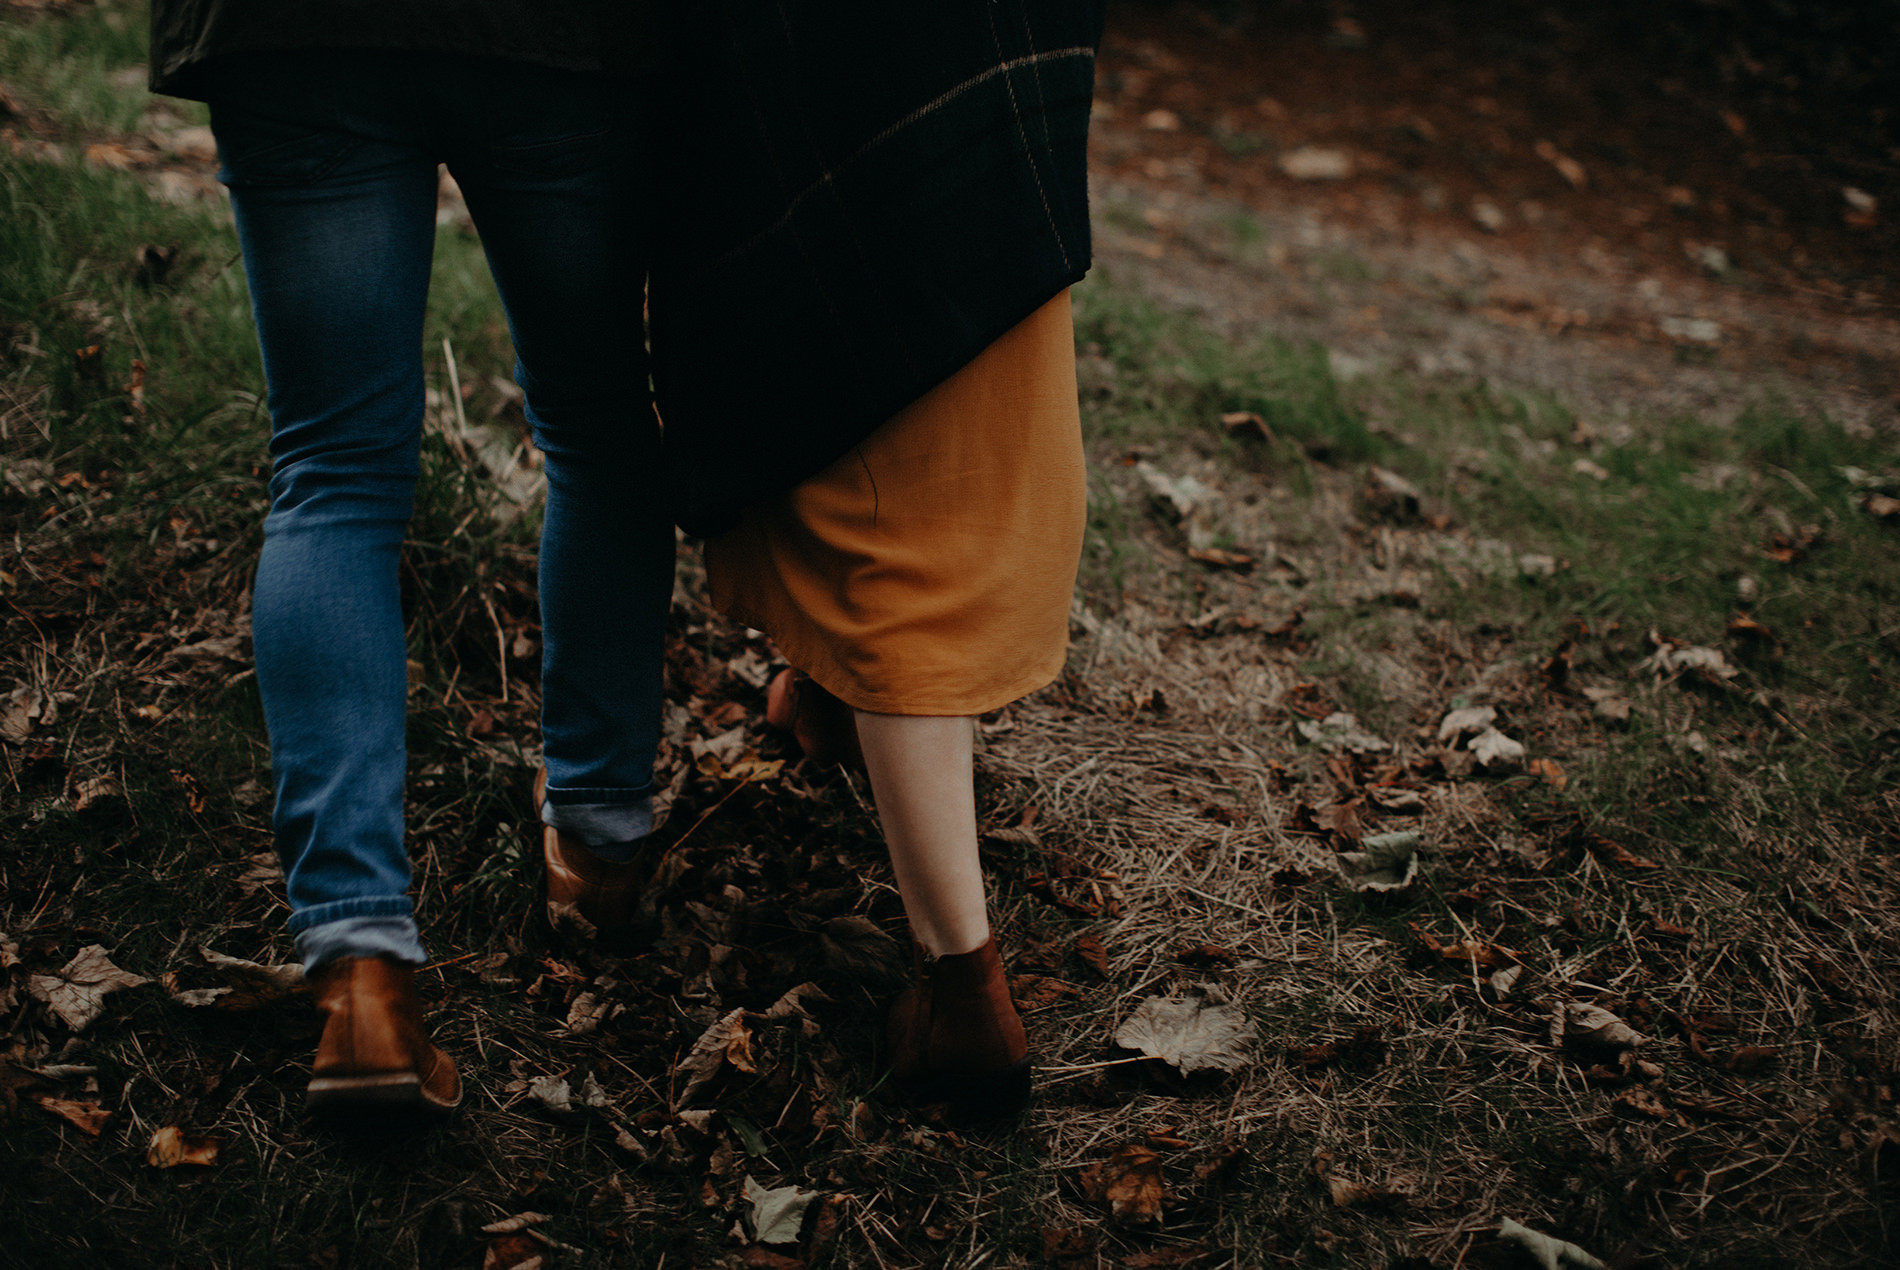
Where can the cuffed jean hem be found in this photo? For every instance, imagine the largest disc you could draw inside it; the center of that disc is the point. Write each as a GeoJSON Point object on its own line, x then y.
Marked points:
{"type": "Point", "coordinates": [391, 936]}
{"type": "Point", "coordinates": [599, 823]}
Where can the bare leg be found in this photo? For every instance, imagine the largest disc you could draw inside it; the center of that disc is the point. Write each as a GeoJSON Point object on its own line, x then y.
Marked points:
{"type": "Point", "coordinates": [922, 774]}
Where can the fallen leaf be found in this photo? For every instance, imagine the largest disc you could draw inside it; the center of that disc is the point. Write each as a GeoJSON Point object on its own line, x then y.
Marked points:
{"type": "Point", "coordinates": [1384, 862]}
{"type": "Point", "coordinates": [1392, 494]}
{"type": "Point", "coordinates": [1340, 818]}
{"type": "Point", "coordinates": [1496, 751]}
{"type": "Point", "coordinates": [248, 985]}
{"type": "Point", "coordinates": [553, 1094]}
{"type": "Point", "coordinates": [77, 992]}
{"type": "Point", "coordinates": [1188, 1033]}
{"type": "Point", "coordinates": [1549, 1252]}
{"type": "Point", "coordinates": [1549, 771]}
{"type": "Point", "coordinates": [85, 1115]}
{"type": "Point", "coordinates": [1745, 1059]}
{"type": "Point", "coordinates": [1397, 799]}
{"type": "Point", "coordinates": [1341, 731]}
{"type": "Point", "coordinates": [1089, 950]}
{"type": "Point", "coordinates": [1469, 953]}
{"type": "Point", "coordinates": [514, 1252]}
{"type": "Point", "coordinates": [1642, 1102]}
{"type": "Point", "coordinates": [858, 946]}
{"type": "Point", "coordinates": [775, 1215]}
{"type": "Point", "coordinates": [1245, 424]}
{"type": "Point", "coordinates": [1366, 1041]}
{"type": "Point", "coordinates": [1609, 705]}
{"type": "Point", "coordinates": [1219, 558]}
{"type": "Point", "coordinates": [172, 1146]}
{"type": "Point", "coordinates": [1673, 660]}
{"type": "Point", "coordinates": [1616, 853]}
{"type": "Point", "coordinates": [1032, 992]}
{"type": "Point", "coordinates": [1574, 1022]}
{"type": "Point", "coordinates": [708, 1056]}
{"type": "Point", "coordinates": [19, 711]}
{"type": "Point", "coordinates": [1129, 1181]}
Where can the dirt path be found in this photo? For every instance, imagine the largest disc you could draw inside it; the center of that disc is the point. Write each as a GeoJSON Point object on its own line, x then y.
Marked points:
{"type": "Point", "coordinates": [1596, 234]}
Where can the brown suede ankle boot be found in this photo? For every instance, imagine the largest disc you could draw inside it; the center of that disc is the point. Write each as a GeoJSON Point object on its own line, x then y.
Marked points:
{"type": "Point", "coordinates": [824, 727]}
{"type": "Point", "coordinates": [956, 1038]}
{"type": "Point", "coordinates": [606, 894]}
{"type": "Point", "coordinates": [373, 1058]}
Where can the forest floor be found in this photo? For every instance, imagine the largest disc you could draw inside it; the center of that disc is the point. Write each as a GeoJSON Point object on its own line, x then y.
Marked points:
{"type": "Point", "coordinates": [1468, 818]}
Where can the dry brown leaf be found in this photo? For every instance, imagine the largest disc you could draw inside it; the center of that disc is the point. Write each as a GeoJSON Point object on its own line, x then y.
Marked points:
{"type": "Point", "coordinates": [77, 992]}
{"type": "Point", "coordinates": [1340, 818]}
{"type": "Point", "coordinates": [1221, 558]}
{"type": "Point", "coordinates": [1188, 1033]}
{"type": "Point", "coordinates": [1549, 771]}
{"type": "Point", "coordinates": [516, 1250]}
{"type": "Point", "coordinates": [708, 1056]}
{"type": "Point", "coordinates": [1745, 1059]}
{"type": "Point", "coordinates": [1130, 1182]}
{"type": "Point", "coordinates": [249, 985]}
{"type": "Point", "coordinates": [1032, 992]}
{"type": "Point", "coordinates": [1089, 950]}
{"type": "Point", "coordinates": [172, 1146]}
{"type": "Point", "coordinates": [85, 1115]}
{"type": "Point", "coordinates": [1643, 1102]}
{"type": "Point", "coordinates": [1616, 853]}
{"type": "Point", "coordinates": [1367, 1041]}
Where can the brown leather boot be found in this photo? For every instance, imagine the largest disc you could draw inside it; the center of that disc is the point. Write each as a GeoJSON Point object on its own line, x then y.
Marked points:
{"type": "Point", "coordinates": [605, 893]}
{"type": "Point", "coordinates": [373, 1057]}
{"type": "Point", "coordinates": [956, 1038]}
{"type": "Point", "coordinates": [824, 727]}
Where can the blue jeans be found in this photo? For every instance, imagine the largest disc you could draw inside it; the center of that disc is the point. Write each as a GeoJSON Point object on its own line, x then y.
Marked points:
{"type": "Point", "coordinates": [331, 162]}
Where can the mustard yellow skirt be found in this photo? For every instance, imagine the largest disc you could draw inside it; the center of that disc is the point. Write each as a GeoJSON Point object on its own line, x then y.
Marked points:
{"type": "Point", "coordinates": [929, 570]}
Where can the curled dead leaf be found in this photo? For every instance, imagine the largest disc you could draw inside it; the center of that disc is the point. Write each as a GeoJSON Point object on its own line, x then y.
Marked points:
{"type": "Point", "coordinates": [1574, 1023]}
{"type": "Point", "coordinates": [1385, 862]}
{"type": "Point", "coordinates": [1466, 722]}
{"type": "Point", "coordinates": [83, 1114]}
{"type": "Point", "coordinates": [1129, 1182]}
{"type": "Point", "coordinates": [172, 1146]}
{"type": "Point", "coordinates": [1495, 751]}
{"type": "Point", "coordinates": [1189, 1034]}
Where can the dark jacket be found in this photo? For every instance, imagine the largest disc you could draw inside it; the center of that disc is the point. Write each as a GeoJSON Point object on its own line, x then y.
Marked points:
{"type": "Point", "coordinates": [585, 35]}
{"type": "Point", "coordinates": [856, 197]}
{"type": "Point", "coordinates": [852, 199]}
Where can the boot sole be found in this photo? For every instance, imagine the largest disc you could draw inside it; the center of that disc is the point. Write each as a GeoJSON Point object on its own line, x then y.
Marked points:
{"type": "Point", "coordinates": [395, 1093]}
{"type": "Point", "coordinates": [983, 1096]}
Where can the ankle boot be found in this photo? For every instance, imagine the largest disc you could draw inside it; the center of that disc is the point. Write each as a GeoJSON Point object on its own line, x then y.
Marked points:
{"type": "Point", "coordinates": [824, 727]}
{"type": "Point", "coordinates": [607, 894]}
{"type": "Point", "coordinates": [373, 1056]}
{"type": "Point", "coordinates": [956, 1038]}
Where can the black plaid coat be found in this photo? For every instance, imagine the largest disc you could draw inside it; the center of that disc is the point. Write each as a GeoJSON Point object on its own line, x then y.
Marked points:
{"type": "Point", "coordinates": [855, 197]}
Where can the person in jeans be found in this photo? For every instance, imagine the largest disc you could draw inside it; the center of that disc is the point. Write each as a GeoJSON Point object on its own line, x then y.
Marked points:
{"type": "Point", "coordinates": [330, 124]}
